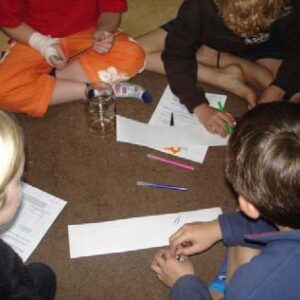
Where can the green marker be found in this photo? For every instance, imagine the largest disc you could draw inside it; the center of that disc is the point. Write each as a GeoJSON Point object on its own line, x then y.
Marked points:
{"type": "Point", "coordinates": [229, 127]}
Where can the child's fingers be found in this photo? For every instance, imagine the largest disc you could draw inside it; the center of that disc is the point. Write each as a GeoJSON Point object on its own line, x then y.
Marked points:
{"type": "Point", "coordinates": [155, 267]}
{"type": "Point", "coordinates": [176, 234]}
{"type": "Point", "coordinates": [166, 253]}
{"type": "Point", "coordinates": [105, 44]}
{"type": "Point", "coordinates": [102, 47]}
{"type": "Point", "coordinates": [176, 242]}
{"type": "Point", "coordinates": [174, 237]}
{"type": "Point", "coordinates": [231, 117]}
{"type": "Point", "coordinates": [160, 260]}
{"type": "Point", "coordinates": [217, 127]}
{"type": "Point", "coordinates": [183, 246]}
{"type": "Point", "coordinates": [220, 129]}
{"type": "Point", "coordinates": [222, 124]}
{"type": "Point", "coordinates": [173, 249]}
{"type": "Point", "coordinates": [187, 251]}
{"type": "Point", "coordinates": [101, 50]}
{"type": "Point", "coordinates": [57, 62]}
{"type": "Point", "coordinates": [159, 257]}
{"type": "Point", "coordinates": [101, 36]}
{"type": "Point", "coordinates": [108, 39]}
{"type": "Point", "coordinates": [61, 54]}
{"type": "Point", "coordinates": [227, 117]}
{"type": "Point", "coordinates": [57, 59]}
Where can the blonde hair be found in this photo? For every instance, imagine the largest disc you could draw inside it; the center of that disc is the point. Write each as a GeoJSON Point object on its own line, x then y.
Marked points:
{"type": "Point", "coordinates": [250, 17]}
{"type": "Point", "coordinates": [11, 151]}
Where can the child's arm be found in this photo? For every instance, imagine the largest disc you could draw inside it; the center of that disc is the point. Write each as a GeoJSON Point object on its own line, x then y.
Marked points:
{"type": "Point", "coordinates": [179, 58]}
{"type": "Point", "coordinates": [109, 21]}
{"type": "Point", "coordinates": [21, 33]}
{"type": "Point", "coordinates": [47, 46]}
{"type": "Point", "coordinates": [107, 24]}
{"type": "Point", "coordinates": [195, 237]}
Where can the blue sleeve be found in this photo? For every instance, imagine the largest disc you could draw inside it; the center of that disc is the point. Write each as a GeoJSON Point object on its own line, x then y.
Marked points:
{"type": "Point", "coordinates": [235, 226]}
{"type": "Point", "coordinates": [189, 287]}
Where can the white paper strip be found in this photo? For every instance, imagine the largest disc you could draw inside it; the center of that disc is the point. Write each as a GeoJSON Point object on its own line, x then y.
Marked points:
{"type": "Point", "coordinates": [135, 132]}
{"type": "Point", "coordinates": [131, 234]}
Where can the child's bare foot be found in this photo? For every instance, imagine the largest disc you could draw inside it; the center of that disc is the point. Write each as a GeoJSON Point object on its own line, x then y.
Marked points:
{"type": "Point", "coordinates": [232, 79]}
{"type": "Point", "coordinates": [296, 98]}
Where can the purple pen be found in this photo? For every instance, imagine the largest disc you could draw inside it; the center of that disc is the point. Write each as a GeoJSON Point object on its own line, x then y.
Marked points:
{"type": "Point", "coordinates": [161, 186]}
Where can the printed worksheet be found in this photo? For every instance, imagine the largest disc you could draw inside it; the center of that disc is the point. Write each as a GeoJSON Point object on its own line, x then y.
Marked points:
{"type": "Point", "coordinates": [169, 104]}
{"type": "Point", "coordinates": [35, 216]}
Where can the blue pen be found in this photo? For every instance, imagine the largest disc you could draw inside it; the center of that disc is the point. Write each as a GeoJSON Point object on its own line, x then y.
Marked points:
{"type": "Point", "coordinates": [161, 186]}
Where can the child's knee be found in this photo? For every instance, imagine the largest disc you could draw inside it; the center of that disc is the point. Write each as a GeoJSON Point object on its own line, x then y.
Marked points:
{"type": "Point", "coordinates": [135, 60]}
{"type": "Point", "coordinates": [5, 86]}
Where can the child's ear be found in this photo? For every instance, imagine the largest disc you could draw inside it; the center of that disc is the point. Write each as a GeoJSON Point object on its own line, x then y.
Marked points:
{"type": "Point", "coordinates": [248, 208]}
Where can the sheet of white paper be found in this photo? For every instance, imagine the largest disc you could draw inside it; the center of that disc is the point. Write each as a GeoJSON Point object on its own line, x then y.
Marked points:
{"type": "Point", "coordinates": [168, 104]}
{"type": "Point", "coordinates": [135, 132]}
{"type": "Point", "coordinates": [131, 234]}
{"type": "Point", "coordinates": [36, 215]}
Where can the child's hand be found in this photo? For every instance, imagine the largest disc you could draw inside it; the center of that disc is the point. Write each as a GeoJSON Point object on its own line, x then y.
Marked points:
{"type": "Point", "coordinates": [213, 119]}
{"type": "Point", "coordinates": [103, 41]}
{"type": "Point", "coordinates": [194, 238]}
{"type": "Point", "coordinates": [58, 61]}
{"type": "Point", "coordinates": [168, 269]}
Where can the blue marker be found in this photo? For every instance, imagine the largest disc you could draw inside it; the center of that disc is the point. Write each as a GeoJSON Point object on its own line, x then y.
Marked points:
{"type": "Point", "coordinates": [161, 186]}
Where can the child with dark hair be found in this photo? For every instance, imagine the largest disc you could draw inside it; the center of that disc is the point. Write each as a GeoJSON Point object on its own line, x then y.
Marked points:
{"type": "Point", "coordinates": [263, 239]}
{"type": "Point", "coordinates": [249, 48]}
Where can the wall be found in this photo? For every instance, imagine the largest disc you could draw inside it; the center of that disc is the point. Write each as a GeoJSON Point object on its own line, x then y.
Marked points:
{"type": "Point", "coordinates": [145, 15]}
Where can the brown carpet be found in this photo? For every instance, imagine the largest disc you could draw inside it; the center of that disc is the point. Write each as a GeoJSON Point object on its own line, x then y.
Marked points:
{"type": "Point", "coordinates": [97, 178]}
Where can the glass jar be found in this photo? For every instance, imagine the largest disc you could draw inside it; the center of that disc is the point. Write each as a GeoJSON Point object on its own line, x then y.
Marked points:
{"type": "Point", "coordinates": [101, 109]}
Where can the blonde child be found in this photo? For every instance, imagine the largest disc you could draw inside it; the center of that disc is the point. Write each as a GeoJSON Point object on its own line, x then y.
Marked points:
{"type": "Point", "coordinates": [17, 281]}
{"type": "Point", "coordinates": [58, 47]}
{"type": "Point", "coordinates": [263, 239]}
{"type": "Point", "coordinates": [249, 48]}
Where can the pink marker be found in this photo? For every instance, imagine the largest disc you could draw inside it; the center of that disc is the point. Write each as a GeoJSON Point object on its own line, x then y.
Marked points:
{"type": "Point", "coordinates": [171, 162]}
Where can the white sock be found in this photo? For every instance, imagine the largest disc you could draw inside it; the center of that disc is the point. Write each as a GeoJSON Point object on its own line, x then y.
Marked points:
{"type": "Point", "coordinates": [131, 90]}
